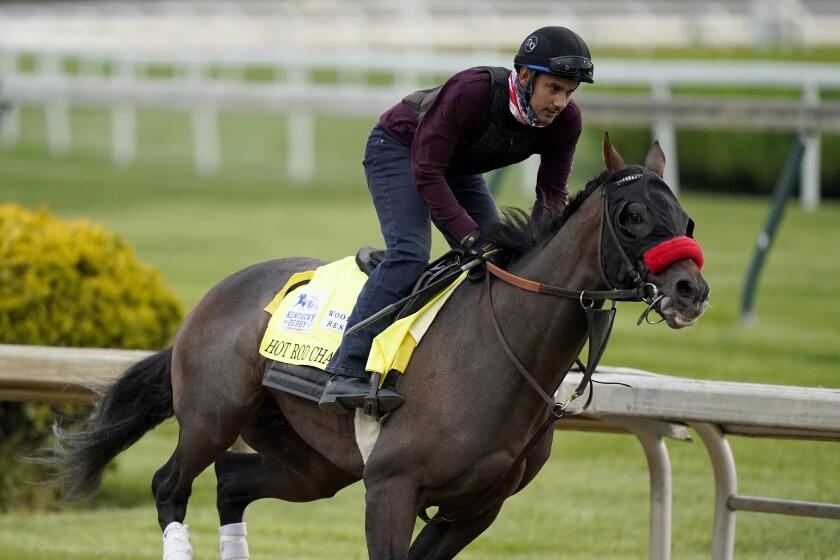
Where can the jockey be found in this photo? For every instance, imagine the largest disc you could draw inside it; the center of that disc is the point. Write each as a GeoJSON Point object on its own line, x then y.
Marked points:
{"type": "Point", "coordinates": [423, 164]}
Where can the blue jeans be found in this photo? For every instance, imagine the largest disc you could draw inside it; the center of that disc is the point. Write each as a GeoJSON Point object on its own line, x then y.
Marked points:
{"type": "Point", "coordinates": [406, 226]}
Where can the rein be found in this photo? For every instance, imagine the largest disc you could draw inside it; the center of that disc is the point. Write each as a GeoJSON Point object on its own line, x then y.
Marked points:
{"type": "Point", "coordinates": [633, 294]}
{"type": "Point", "coordinates": [599, 321]}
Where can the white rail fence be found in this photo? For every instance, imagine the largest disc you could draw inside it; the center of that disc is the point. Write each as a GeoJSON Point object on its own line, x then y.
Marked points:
{"type": "Point", "coordinates": [425, 23]}
{"type": "Point", "coordinates": [205, 82]}
{"type": "Point", "coordinates": [652, 408]}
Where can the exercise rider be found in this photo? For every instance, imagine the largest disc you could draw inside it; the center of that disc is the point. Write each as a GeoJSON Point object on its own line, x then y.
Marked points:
{"type": "Point", "coordinates": [424, 162]}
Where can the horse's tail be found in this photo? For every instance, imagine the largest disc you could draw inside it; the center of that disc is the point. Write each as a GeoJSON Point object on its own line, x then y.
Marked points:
{"type": "Point", "coordinates": [139, 400]}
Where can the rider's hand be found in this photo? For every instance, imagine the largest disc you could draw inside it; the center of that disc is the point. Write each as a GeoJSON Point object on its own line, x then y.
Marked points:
{"type": "Point", "coordinates": [476, 244]}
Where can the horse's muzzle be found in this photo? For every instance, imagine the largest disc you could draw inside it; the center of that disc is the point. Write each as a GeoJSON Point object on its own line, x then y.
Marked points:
{"type": "Point", "coordinates": [686, 294]}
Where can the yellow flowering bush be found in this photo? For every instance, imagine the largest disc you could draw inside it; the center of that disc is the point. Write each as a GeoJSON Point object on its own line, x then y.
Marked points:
{"type": "Point", "coordinates": [67, 284]}
{"type": "Point", "coordinates": [75, 284]}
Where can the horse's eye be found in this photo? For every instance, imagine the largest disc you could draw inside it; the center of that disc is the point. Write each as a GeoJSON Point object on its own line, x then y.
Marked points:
{"type": "Point", "coordinates": [634, 221]}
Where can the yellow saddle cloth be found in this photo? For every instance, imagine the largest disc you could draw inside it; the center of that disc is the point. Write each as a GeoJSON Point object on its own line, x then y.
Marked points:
{"type": "Point", "coordinates": [307, 323]}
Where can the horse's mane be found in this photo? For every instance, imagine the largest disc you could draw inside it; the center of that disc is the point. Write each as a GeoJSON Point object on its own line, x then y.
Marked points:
{"type": "Point", "coordinates": [519, 234]}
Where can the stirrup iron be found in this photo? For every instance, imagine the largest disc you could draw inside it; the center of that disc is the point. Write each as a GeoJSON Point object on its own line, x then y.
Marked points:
{"type": "Point", "coordinates": [371, 407]}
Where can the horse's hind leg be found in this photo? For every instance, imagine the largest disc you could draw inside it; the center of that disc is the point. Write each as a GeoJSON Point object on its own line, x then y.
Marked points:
{"type": "Point", "coordinates": [172, 484]}
{"type": "Point", "coordinates": [213, 402]}
{"type": "Point", "coordinates": [243, 478]}
{"type": "Point", "coordinates": [285, 467]}
{"type": "Point", "coordinates": [246, 477]}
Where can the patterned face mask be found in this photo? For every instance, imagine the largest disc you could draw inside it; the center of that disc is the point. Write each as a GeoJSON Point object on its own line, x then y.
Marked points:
{"type": "Point", "coordinates": [520, 105]}
{"type": "Point", "coordinates": [649, 224]}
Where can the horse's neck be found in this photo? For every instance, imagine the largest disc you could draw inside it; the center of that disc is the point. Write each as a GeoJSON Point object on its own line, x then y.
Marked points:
{"type": "Point", "coordinates": [545, 331]}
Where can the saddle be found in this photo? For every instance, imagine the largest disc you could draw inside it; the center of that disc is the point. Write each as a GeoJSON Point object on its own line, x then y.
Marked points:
{"type": "Point", "coordinates": [307, 381]}
{"type": "Point", "coordinates": [368, 258]}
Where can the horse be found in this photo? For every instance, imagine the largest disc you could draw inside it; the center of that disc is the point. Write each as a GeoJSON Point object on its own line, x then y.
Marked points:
{"type": "Point", "coordinates": [469, 434]}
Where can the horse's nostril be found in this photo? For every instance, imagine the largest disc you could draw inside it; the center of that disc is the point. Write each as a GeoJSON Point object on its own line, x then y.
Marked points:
{"type": "Point", "coordinates": [685, 289]}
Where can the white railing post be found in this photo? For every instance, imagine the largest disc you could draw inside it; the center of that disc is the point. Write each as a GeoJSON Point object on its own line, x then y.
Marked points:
{"type": "Point", "coordinates": [659, 468]}
{"type": "Point", "coordinates": [205, 127]}
{"type": "Point", "coordinates": [726, 485]}
{"type": "Point", "coordinates": [345, 73]}
{"type": "Point", "coordinates": [57, 111]}
{"type": "Point", "coordinates": [663, 131]}
{"type": "Point", "coordinates": [809, 180]}
{"type": "Point", "coordinates": [124, 122]}
{"type": "Point", "coordinates": [529, 168]}
{"type": "Point", "coordinates": [407, 77]}
{"type": "Point", "coordinates": [300, 134]}
{"type": "Point", "coordinates": [234, 71]}
{"type": "Point", "coordinates": [10, 117]}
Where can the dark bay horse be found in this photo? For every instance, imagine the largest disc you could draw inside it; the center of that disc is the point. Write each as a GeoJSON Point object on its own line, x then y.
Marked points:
{"type": "Point", "coordinates": [468, 414]}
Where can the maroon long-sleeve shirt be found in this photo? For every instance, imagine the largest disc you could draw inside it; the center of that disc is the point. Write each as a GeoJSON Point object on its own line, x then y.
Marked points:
{"type": "Point", "coordinates": [459, 112]}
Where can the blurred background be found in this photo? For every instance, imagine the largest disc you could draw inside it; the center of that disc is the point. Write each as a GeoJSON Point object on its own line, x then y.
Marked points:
{"type": "Point", "coordinates": [209, 135]}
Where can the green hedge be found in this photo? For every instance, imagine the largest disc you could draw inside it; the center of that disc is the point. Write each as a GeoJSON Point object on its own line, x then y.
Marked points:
{"type": "Point", "coordinates": [67, 284]}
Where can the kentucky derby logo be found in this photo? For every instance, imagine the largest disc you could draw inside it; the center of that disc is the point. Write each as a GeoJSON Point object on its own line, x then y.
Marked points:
{"type": "Point", "coordinates": [531, 43]}
{"type": "Point", "coordinates": [301, 316]}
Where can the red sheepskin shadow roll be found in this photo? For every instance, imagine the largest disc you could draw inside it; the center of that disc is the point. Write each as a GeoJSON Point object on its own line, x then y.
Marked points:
{"type": "Point", "coordinates": [668, 252]}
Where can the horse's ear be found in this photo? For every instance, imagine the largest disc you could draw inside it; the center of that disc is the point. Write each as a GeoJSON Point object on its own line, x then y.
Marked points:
{"type": "Point", "coordinates": [655, 159]}
{"type": "Point", "coordinates": [612, 159]}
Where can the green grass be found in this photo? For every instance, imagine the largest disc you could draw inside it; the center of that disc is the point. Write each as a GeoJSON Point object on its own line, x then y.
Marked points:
{"type": "Point", "coordinates": [591, 499]}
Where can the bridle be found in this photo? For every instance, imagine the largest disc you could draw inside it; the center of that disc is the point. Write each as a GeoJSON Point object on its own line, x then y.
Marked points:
{"type": "Point", "coordinates": [599, 320]}
{"type": "Point", "coordinates": [599, 325]}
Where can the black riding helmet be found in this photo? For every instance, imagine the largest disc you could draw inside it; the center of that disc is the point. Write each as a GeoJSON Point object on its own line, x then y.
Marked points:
{"type": "Point", "coordinates": [557, 51]}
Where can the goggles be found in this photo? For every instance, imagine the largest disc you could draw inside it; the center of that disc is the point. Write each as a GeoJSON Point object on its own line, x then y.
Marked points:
{"type": "Point", "coordinates": [577, 68]}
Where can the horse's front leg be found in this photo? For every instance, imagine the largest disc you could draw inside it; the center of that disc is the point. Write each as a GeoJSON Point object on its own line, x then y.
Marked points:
{"type": "Point", "coordinates": [391, 506]}
{"type": "Point", "coordinates": [444, 540]}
